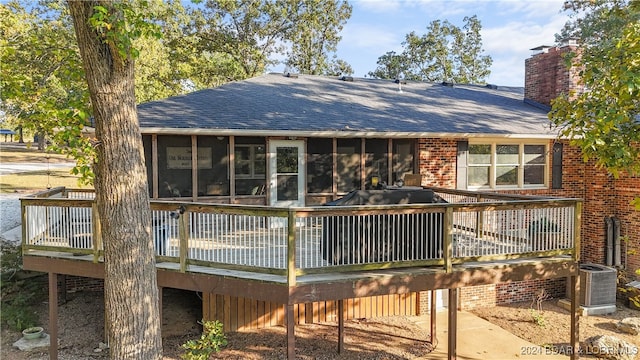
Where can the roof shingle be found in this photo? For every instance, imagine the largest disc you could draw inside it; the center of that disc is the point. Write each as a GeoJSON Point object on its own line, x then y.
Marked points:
{"type": "Point", "coordinates": [309, 105]}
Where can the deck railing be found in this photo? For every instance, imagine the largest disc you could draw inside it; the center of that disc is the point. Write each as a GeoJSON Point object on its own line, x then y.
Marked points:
{"type": "Point", "coordinates": [298, 241]}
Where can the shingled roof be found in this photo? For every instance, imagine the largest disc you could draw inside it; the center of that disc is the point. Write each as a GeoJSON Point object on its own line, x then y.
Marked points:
{"type": "Point", "coordinates": [306, 105]}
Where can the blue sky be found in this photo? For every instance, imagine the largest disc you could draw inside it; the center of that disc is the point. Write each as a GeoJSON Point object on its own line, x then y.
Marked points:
{"type": "Point", "coordinates": [509, 29]}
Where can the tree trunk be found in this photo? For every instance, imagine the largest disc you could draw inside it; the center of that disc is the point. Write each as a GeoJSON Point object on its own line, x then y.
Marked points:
{"type": "Point", "coordinates": [131, 292]}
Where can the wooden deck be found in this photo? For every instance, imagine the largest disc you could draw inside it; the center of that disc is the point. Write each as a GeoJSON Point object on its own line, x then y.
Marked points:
{"type": "Point", "coordinates": [285, 256]}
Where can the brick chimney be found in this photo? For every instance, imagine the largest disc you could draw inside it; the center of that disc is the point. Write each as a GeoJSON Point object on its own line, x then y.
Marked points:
{"type": "Point", "coordinates": [546, 76]}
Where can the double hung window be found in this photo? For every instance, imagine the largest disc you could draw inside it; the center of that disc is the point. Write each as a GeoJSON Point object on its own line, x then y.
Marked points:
{"type": "Point", "coordinates": [506, 165]}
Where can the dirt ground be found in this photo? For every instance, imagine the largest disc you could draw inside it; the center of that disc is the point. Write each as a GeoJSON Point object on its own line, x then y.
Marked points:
{"type": "Point", "coordinates": [81, 331]}
{"type": "Point", "coordinates": [81, 322]}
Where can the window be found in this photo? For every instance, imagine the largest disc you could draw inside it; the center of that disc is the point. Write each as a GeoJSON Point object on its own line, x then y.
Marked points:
{"type": "Point", "coordinates": [213, 180]}
{"type": "Point", "coordinates": [319, 165]}
{"type": "Point", "coordinates": [348, 165]}
{"type": "Point", "coordinates": [376, 161]}
{"type": "Point", "coordinates": [534, 164]}
{"type": "Point", "coordinates": [506, 165]}
{"type": "Point", "coordinates": [174, 166]}
{"type": "Point", "coordinates": [403, 158]}
{"type": "Point", "coordinates": [507, 162]}
{"type": "Point", "coordinates": [479, 165]}
{"type": "Point", "coordinates": [250, 161]}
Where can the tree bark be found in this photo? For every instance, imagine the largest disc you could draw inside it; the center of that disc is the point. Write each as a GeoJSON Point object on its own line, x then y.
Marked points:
{"type": "Point", "coordinates": [131, 292]}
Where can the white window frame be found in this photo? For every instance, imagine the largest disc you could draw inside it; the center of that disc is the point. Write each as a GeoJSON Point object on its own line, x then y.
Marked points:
{"type": "Point", "coordinates": [520, 178]}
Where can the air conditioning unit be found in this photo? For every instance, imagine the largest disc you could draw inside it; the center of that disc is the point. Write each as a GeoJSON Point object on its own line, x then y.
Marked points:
{"type": "Point", "coordinates": [597, 285]}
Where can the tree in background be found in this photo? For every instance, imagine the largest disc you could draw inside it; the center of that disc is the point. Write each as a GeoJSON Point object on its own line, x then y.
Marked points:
{"type": "Point", "coordinates": [248, 36]}
{"type": "Point", "coordinates": [105, 33]}
{"type": "Point", "coordinates": [314, 35]}
{"type": "Point", "coordinates": [470, 64]}
{"type": "Point", "coordinates": [242, 34]}
{"type": "Point", "coordinates": [604, 120]}
{"type": "Point", "coordinates": [339, 67]}
{"type": "Point", "coordinates": [390, 66]}
{"type": "Point", "coordinates": [167, 65]}
{"type": "Point", "coordinates": [200, 47]}
{"type": "Point", "coordinates": [41, 78]}
{"type": "Point", "coordinates": [445, 53]}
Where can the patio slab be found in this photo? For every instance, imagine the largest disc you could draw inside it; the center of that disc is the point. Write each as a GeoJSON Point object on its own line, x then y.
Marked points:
{"type": "Point", "coordinates": [479, 339]}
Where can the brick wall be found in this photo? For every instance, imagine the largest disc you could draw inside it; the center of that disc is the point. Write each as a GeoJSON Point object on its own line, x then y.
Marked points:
{"type": "Point", "coordinates": [603, 197]}
{"type": "Point", "coordinates": [438, 162]}
{"type": "Point", "coordinates": [477, 297]}
{"type": "Point", "coordinates": [79, 283]}
{"type": "Point", "coordinates": [506, 293]}
{"type": "Point", "coordinates": [626, 189]}
{"type": "Point", "coordinates": [547, 77]}
{"type": "Point", "coordinates": [528, 290]}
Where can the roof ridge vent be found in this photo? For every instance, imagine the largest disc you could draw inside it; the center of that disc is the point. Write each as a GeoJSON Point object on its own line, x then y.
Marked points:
{"type": "Point", "coordinates": [346, 78]}
{"type": "Point", "coordinates": [290, 75]}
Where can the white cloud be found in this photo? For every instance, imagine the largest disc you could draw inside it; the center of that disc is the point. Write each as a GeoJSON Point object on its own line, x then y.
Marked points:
{"type": "Point", "coordinates": [507, 71]}
{"type": "Point", "coordinates": [519, 36]}
{"type": "Point", "coordinates": [510, 29]}
{"type": "Point", "coordinates": [530, 9]}
{"type": "Point", "coordinates": [371, 37]}
{"type": "Point", "coordinates": [509, 44]}
{"type": "Point", "coordinates": [378, 6]}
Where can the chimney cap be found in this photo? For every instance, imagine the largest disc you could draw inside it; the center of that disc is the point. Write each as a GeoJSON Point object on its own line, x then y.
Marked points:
{"type": "Point", "coordinates": [541, 48]}
{"type": "Point", "coordinates": [570, 41]}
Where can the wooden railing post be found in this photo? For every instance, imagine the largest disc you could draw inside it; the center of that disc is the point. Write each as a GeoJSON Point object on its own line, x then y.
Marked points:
{"type": "Point", "coordinates": [97, 231]}
{"type": "Point", "coordinates": [25, 223]}
{"type": "Point", "coordinates": [448, 239]}
{"type": "Point", "coordinates": [183, 230]}
{"type": "Point", "coordinates": [479, 219]}
{"type": "Point", "coordinates": [577, 224]}
{"type": "Point", "coordinates": [291, 248]}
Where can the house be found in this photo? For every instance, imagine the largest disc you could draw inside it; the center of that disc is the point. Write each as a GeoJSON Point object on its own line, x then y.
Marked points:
{"type": "Point", "coordinates": [295, 142]}
{"type": "Point", "coordinates": [343, 131]}
{"type": "Point", "coordinates": [340, 132]}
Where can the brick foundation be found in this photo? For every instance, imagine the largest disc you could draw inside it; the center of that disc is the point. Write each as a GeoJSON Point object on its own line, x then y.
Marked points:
{"type": "Point", "coordinates": [78, 283]}
{"type": "Point", "coordinates": [478, 297]}
{"type": "Point", "coordinates": [603, 195]}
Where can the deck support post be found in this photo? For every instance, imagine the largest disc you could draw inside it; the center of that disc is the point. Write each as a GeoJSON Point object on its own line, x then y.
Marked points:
{"type": "Point", "coordinates": [62, 281]}
{"type": "Point", "coordinates": [575, 317]}
{"type": "Point", "coordinates": [160, 288]}
{"type": "Point", "coordinates": [432, 310]}
{"type": "Point", "coordinates": [340, 326]}
{"type": "Point", "coordinates": [53, 316]}
{"type": "Point", "coordinates": [453, 324]}
{"type": "Point", "coordinates": [291, 334]}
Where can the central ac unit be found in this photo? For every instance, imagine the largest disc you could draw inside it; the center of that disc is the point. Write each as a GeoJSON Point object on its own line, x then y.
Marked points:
{"type": "Point", "coordinates": [597, 285]}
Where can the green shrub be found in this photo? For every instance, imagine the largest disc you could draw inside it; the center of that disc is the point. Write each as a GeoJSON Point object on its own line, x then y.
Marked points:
{"type": "Point", "coordinates": [211, 340]}
{"type": "Point", "coordinates": [18, 294]}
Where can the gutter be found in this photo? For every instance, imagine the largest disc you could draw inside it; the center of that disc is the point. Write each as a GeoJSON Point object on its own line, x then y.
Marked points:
{"type": "Point", "coordinates": [342, 133]}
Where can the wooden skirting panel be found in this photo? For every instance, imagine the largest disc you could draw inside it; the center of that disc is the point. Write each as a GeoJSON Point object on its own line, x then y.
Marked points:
{"type": "Point", "coordinates": [238, 313]}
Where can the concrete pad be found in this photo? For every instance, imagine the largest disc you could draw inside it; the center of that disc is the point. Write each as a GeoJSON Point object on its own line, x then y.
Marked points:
{"type": "Point", "coordinates": [479, 339]}
{"type": "Point", "coordinates": [28, 345]}
{"type": "Point", "coordinates": [589, 310]}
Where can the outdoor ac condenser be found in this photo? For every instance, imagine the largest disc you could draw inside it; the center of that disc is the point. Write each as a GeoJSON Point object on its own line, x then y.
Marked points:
{"type": "Point", "coordinates": [597, 285]}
